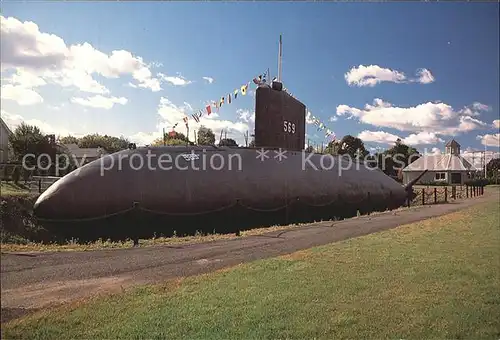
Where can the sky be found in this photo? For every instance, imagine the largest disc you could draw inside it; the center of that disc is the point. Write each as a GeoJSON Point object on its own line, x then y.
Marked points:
{"type": "Point", "coordinates": [422, 72]}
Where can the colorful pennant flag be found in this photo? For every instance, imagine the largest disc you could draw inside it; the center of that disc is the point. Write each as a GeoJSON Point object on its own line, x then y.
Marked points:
{"type": "Point", "coordinates": [226, 99]}
{"type": "Point", "coordinates": [195, 117]}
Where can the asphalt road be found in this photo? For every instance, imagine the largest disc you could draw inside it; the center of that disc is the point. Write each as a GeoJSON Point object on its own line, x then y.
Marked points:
{"type": "Point", "coordinates": [33, 281]}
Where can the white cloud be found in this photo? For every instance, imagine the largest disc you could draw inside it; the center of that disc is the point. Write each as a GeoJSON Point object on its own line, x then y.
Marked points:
{"type": "Point", "coordinates": [210, 80]}
{"type": "Point", "coordinates": [48, 57]}
{"type": "Point", "coordinates": [438, 118]}
{"type": "Point", "coordinates": [171, 114]}
{"type": "Point", "coordinates": [422, 138]}
{"type": "Point", "coordinates": [434, 151]}
{"type": "Point", "coordinates": [372, 75]}
{"type": "Point", "coordinates": [424, 76]}
{"type": "Point", "coordinates": [145, 138]}
{"type": "Point", "coordinates": [245, 115]}
{"type": "Point", "coordinates": [496, 123]}
{"type": "Point", "coordinates": [382, 137]}
{"type": "Point", "coordinates": [99, 102]}
{"type": "Point", "coordinates": [481, 107]}
{"type": "Point", "coordinates": [14, 120]}
{"type": "Point", "coordinates": [490, 140]}
{"type": "Point", "coordinates": [21, 95]}
{"type": "Point", "coordinates": [333, 118]}
{"type": "Point", "coordinates": [176, 81]}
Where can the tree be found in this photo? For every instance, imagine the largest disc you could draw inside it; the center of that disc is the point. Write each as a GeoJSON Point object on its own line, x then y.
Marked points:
{"type": "Point", "coordinates": [493, 167]}
{"type": "Point", "coordinates": [309, 149]}
{"type": "Point", "coordinates": [393, 160]}
{"type": "Point", "coordinates": [227, 142]}
{"type": "Point", "coordinates": [172, 138]}
{"type": "Point", "coordinates": [349, 145]}
{"type": "Point", "coordinates": [109, 143]}
{"type": "Point", "coordinates": [68, 140]}
{"type": "Point", "coordinates": [332, 148]}
{"type": "Point", "coordinates": [170, 142]}
{"type": "Point", "coordinates": [205, 136]}
{"type": "Point", "coordinates": [28, 140]}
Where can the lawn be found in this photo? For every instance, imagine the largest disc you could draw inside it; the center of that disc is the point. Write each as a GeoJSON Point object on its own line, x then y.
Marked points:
{"type": "Point", "coordinates": [438, 278]}
{"type": "Point", "coordinates": [9, 188]}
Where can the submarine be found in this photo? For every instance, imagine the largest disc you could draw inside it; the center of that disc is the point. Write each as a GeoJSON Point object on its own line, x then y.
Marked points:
{"type": "Point", "coordinates": [180, 190]}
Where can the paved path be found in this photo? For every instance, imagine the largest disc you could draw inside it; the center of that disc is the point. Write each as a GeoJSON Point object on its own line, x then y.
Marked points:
{"type": "Point", "coordinates": [33, 281]}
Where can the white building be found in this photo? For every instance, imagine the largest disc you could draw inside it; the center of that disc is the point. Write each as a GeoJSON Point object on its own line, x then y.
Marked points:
{"type": "Point", "coordinates": [5, 151]}
{"type": "Point", "coordinates": [83, 155]}
{"type": "Point", "coordinates": [450, 167]}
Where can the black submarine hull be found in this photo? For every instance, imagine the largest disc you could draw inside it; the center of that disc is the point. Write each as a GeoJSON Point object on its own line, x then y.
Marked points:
{"type": "Point", "coordinates": [183, 189]}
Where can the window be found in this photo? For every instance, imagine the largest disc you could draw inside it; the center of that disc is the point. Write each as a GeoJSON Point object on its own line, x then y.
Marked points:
{"type": "Point", "coordinates": [440, 176]}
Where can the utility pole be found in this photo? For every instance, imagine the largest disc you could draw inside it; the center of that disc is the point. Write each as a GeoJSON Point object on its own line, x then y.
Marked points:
{"type": "Point", "coordinates": [485, 173]}
{"type": "Point", "coordinates": [164, 138]}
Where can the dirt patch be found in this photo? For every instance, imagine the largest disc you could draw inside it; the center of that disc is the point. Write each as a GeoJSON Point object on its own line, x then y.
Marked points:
{"type": "Point", "coordinates": [299, 255]}
{"type": "Point", "coordinates": [51, 294]}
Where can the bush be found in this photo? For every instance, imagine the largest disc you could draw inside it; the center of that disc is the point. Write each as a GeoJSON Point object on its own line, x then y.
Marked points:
{"type": "Point", "coordinates": [435, 183]}
{"type": "Point", "coordinates": [478, 182]}
{"type": "Point", "coordinates": [18, 222]}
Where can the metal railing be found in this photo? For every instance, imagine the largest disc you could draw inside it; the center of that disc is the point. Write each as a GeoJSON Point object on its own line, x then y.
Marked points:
{"type": "Point", "coordinates": [40, 183]}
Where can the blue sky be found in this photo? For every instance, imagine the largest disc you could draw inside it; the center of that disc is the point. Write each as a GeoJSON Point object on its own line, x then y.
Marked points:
{"type": "Point", "coordinates": [456, 44]}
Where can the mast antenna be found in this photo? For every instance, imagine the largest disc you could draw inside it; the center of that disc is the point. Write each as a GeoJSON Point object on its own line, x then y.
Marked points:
{"type": "Point", "coordinates": [279, 59]}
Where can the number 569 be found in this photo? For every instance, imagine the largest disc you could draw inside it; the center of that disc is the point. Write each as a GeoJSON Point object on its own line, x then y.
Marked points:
{"type": "Point", "coordinates": [288, 127]}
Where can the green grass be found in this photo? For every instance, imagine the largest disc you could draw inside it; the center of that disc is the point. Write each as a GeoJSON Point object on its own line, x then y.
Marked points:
{"type": "Point", "coordinates": [9, 188]}
{"type": "Point", "coordinates": [438, 278]}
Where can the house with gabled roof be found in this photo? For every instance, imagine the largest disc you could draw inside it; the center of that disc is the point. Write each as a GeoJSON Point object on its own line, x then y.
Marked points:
{"type": "Point", "coordinates": [450, 167]}
{"type": "Point", "coordinates": [83, 155]}
{"type": "Point", "coordinates": [5, 150]}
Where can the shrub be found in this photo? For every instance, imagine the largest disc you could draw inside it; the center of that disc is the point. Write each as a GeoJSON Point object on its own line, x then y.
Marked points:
{"type": "Point", "coordinates": [478, 182]}
{"type": "Point", "coordinates": [18, 222]}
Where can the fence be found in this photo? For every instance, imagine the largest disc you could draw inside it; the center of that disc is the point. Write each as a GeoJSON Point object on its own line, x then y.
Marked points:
{"type": "Point", "coordinates": [426, 196]}
{"type": "Point", "coordinates": [40, 183]}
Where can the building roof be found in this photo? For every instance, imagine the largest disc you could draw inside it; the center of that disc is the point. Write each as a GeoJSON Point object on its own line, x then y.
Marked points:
{"type": "Point", "coordinates": [452, 143]}
{"type": "Point", "coordinates": [84, 152]}
{"type": "Point", "coordinates": [5, 126]}
{"type": "Point", "coordinates": [446, 162]}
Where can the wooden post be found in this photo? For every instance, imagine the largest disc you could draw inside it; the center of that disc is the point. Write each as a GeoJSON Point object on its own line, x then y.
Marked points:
{"type": "Point", "coordinates": [445, 194]}
{"type": "Point", "coordinates": [40, 186]}
{"type": "Point", "coordinates": [467, 191]}
{"type": "Point", "coordinates": [454, 192]}
{"type": "Point", "coordinates": [423, 196]}
{"type": "Point", "coordinates": [435, 196]}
